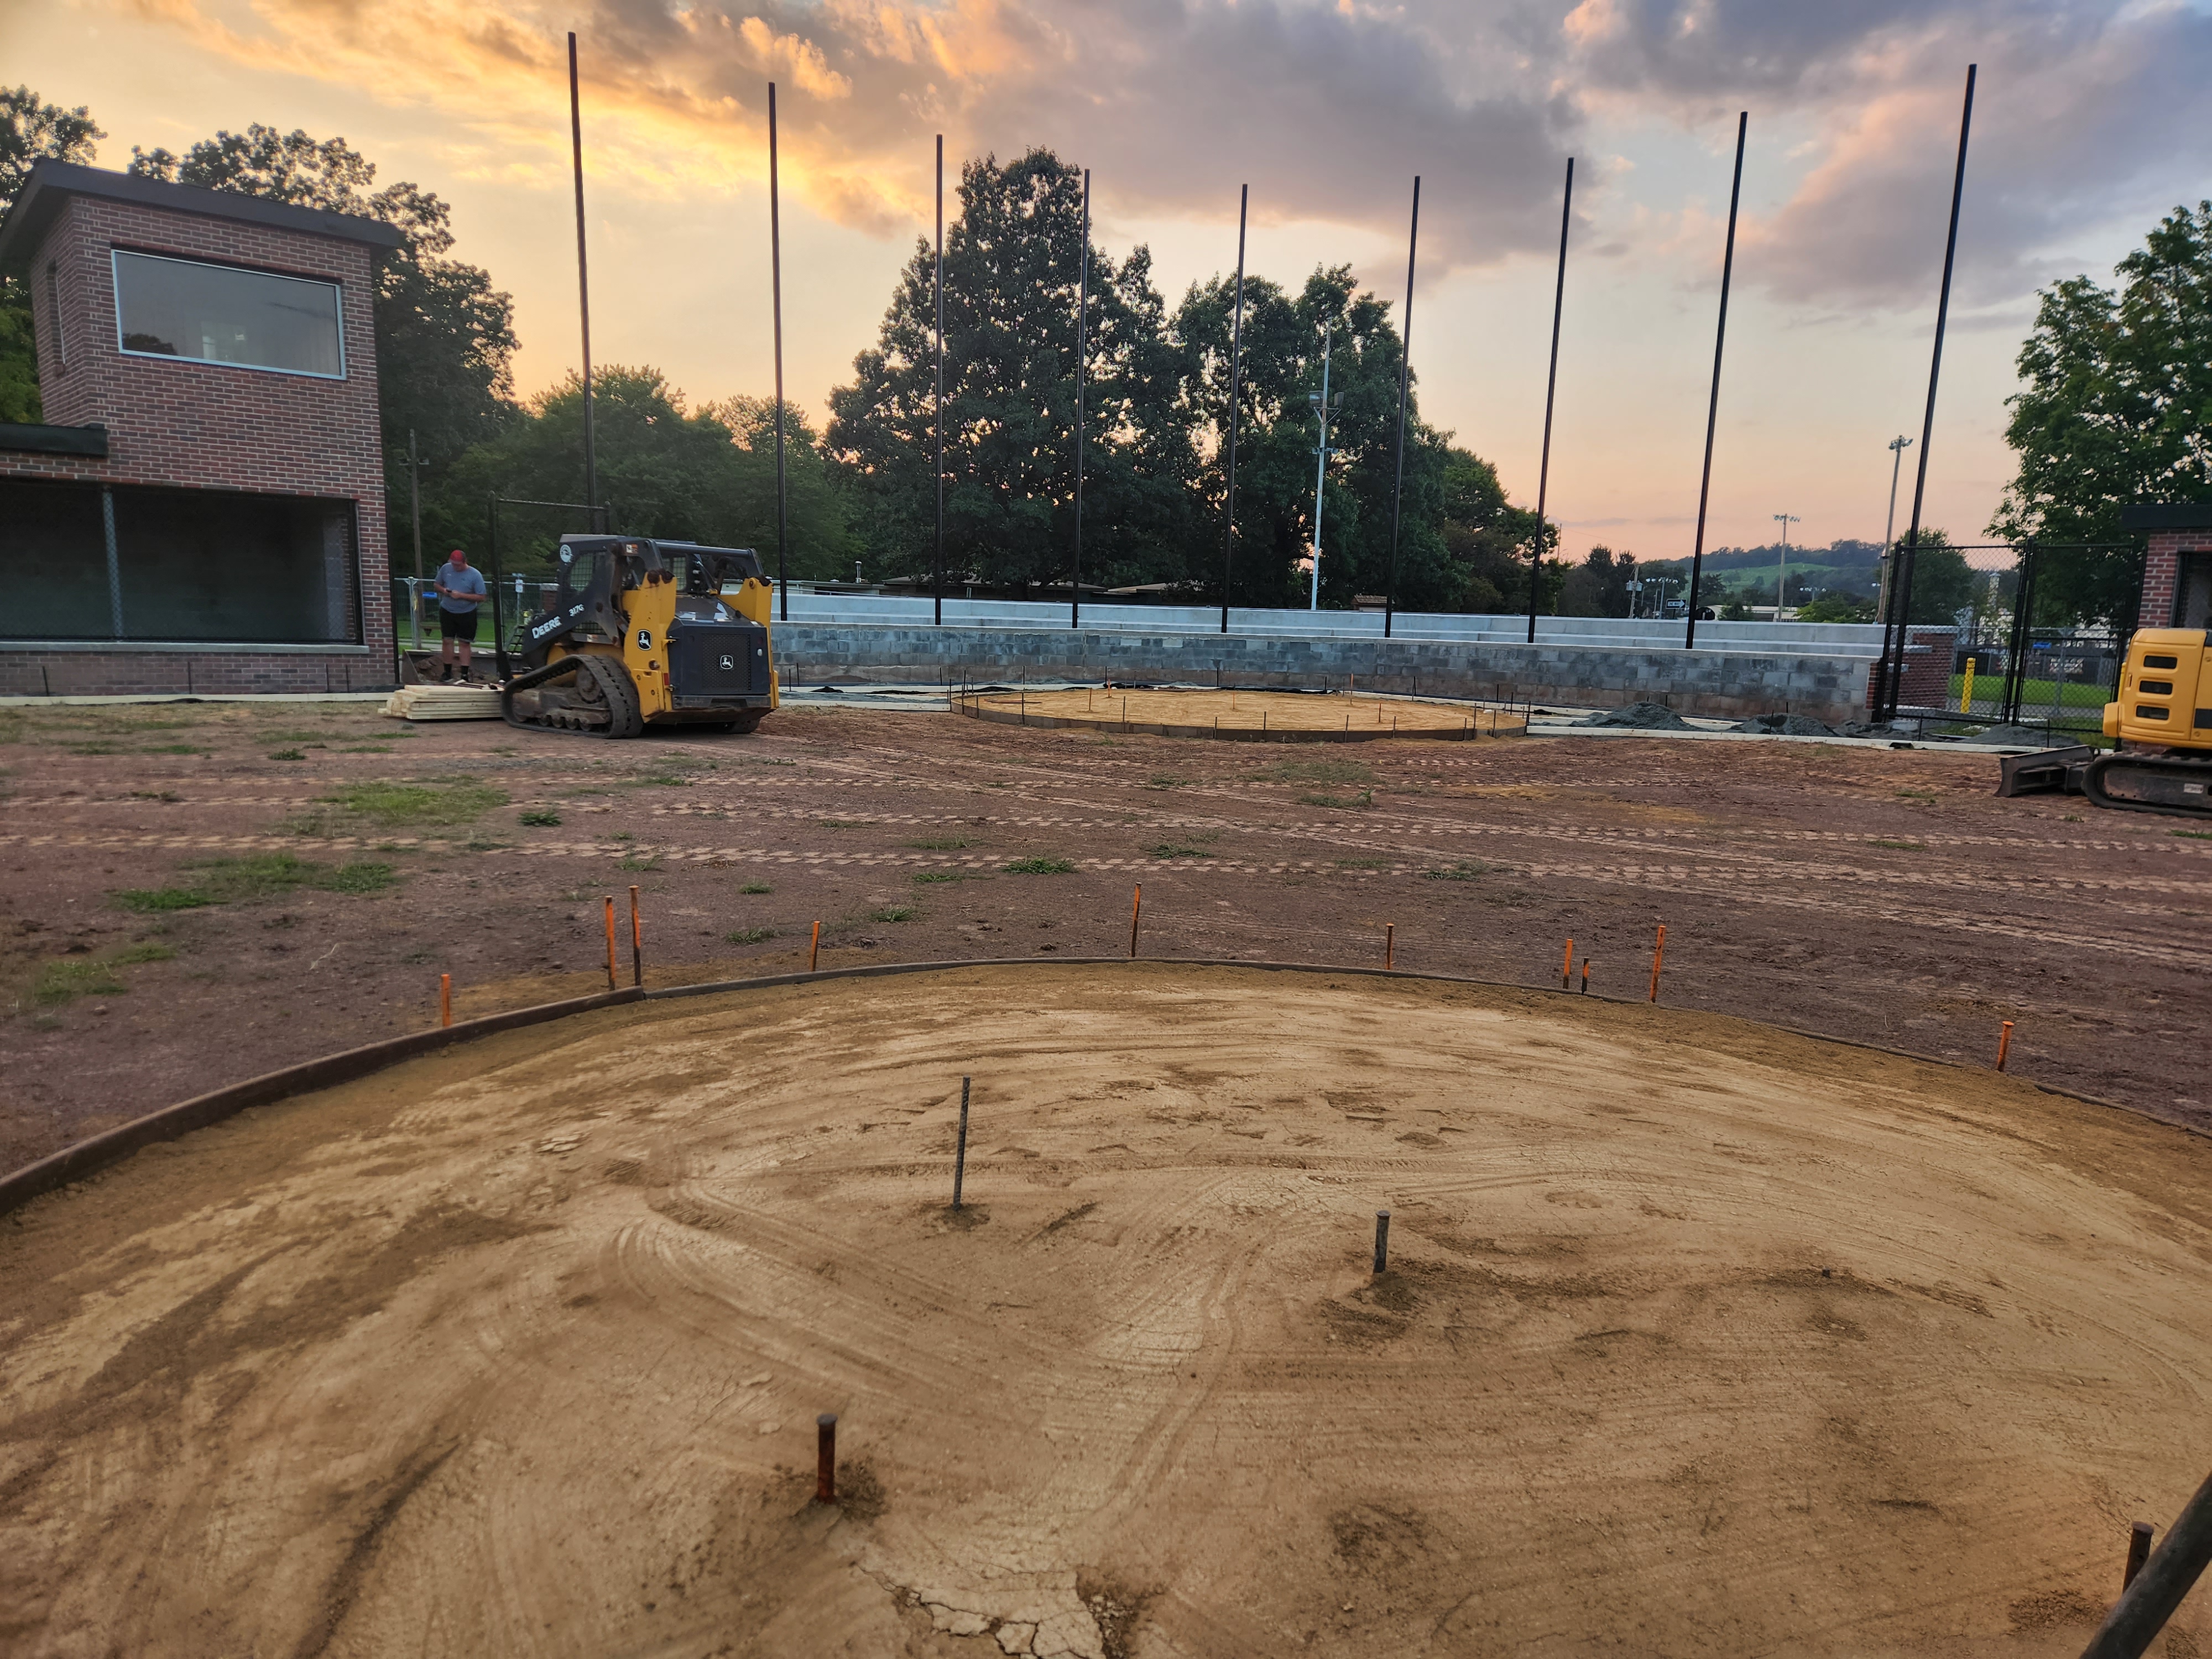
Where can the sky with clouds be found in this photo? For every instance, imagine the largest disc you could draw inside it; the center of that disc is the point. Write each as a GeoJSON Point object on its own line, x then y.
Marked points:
{"type": "Point", "coordinates": [2091, 120]}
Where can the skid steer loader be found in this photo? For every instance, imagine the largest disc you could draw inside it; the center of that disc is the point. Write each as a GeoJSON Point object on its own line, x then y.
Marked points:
{"type": "Point", "coordinates": [645, 633]}
{"type": "Point", "coordinates": [2163, 721]}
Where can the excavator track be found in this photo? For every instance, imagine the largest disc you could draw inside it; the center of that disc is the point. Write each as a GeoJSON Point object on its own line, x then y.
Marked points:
{"type": "Point", "coordinates": [2176, 785]}
{"type": "Point", "coordinates": [596, 701]}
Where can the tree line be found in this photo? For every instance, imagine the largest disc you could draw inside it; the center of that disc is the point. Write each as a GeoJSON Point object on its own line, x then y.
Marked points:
{"type": "Point", "coordinates": [2116, 384]}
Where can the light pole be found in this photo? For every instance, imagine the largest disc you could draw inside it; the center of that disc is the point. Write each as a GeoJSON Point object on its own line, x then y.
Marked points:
{"type": "Point", "coordinates": [1322, 409]}
{"type": "Point", "coordinates": [1898, 446]}
{"type": "Point", "coordinates": [1781, 575]}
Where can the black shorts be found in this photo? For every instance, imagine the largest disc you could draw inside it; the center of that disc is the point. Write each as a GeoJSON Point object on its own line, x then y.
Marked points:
{"type": "Point", "coordinates": [456, 624]}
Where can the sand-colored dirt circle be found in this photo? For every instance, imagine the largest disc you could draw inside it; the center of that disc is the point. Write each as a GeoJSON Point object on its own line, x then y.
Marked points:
{"type": "Point", "coordinates": [1242, 716]}
{"type": "Point", "coordinates": [1698, 1339]}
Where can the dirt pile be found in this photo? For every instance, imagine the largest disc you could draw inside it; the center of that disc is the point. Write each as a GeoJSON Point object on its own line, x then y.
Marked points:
{"type": "Point", "coordinates": [1695, 1337]}
{"type": "Point", "coordinates": [1640, 717]}
{"type": "Point", "coordinates": [1787, 726]}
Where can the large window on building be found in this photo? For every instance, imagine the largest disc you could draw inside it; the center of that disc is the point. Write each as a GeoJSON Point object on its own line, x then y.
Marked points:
{"type": "Point", "coordinates": [167, 307]}
{"type": "Point", "coordinates": [218, 566]}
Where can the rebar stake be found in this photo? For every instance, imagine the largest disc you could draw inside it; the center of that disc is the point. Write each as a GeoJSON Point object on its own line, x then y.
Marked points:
{"type": "Point", "coordinates": [825, 1458]}
{"type": "Point", "coordinates": [2139, 1537]}
{"type": "Point", "coordinates": [1382, 1240]}
{"type": "Point", "coordinates": [960, 1152]}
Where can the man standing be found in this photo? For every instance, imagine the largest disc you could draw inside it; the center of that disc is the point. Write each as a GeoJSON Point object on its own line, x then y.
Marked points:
{"type": "Point", "coordinates": [460, 588]}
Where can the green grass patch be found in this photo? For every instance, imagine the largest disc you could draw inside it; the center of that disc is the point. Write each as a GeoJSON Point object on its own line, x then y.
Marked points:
{"type": "Point", "coordinates": [750, 936]}
{"type": "Point", "coordinates": [1363, 864]}
{"type": "Point", "coordinates": [1169, 849]}
{"type": "Point", "coordinates": [756, 887]}
{"type": "Point", "coordinates": [928, 878]}
{"type": "Point", "coordinates": [1900, 846]}
{"type": "Point", "coordinates": [894, 913]}
{"type": "Point", "coordinates": [2194, 835]}
{"type": "Point", "coordinates": [393, 806]}
{"type": "Point", "coordinates": [231, 881]}
{"type": "Point", "coordinates": [1359, 803]}
{"type": "Point", "coordinates": [1916, 794]}
{"type": "Point", "coordinates": [1465, 870]}
{"type": "Point", "coordinates": [172, 749]}
{"type": "Point", "coordinates": [1040, 867]}
{"type": "Point", "coordinates": [1316, 771]}
{"type": "Point", "coordinates": [1167, 781]}
{"type": "Point", "coordinates": [541, 819]}
{"type": "Point", "coordinates": [839, 824]}
{"type": "Point", "coordinates": [951, 845]}
{"type": "Point", "coordinates": [287, 754]}
{"type": "Point", "coordinates": [640, 861]}
{"type": "Point", "coordinates": [91, 976]}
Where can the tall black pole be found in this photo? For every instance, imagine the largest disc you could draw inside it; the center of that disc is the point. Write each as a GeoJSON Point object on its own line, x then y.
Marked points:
{"type": "Point", "coordinates": [1551, 387]}
{"type": "Point", "coordinates": [1082, 342]}
{"type": "Point", "coordinates": [583, 287]}
{"type": "Point", "coordinates": [1892, 677]}
{"type": "Point", "coordinates": [1713, 405]}
{"type": "Point", "coordinates": [776, 291]}
{"type": "Point", "coordinates": [1235, 386]}
{"type": "Point", "coordinates": [936, 418]}
{"type": "Point", "coordinates": [1405, 384]}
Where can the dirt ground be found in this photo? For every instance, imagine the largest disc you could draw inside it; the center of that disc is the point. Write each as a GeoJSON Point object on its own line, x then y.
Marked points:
{"type": "Point", "coordinates": [302, 874]}
{"type": "Point", "coordinates": [1696, 1339]}
{"type": "Point", "coordinates": [1349, 717]}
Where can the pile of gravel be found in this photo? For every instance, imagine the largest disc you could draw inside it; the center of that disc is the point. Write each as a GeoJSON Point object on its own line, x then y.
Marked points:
{"type": "Point", "coordinates": [1639, 716]}
{"type": "Point", "coordinates": [1787, 726]}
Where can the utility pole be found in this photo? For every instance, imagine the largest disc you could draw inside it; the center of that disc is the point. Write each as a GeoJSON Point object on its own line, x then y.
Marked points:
{"type": "Point", "coordinates": [1322, 409]}
{"type": "Point", "coordinates": [1781, 576]}
{"type": "Point", "coordinates": [1898, 446]}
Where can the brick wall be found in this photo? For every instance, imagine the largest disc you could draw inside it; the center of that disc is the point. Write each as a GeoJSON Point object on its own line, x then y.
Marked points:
{"type": "Point", "coordinates": [208, 425]}
{"type": "Point", "coordinates": [1928, 654]}
{"type": "Point", "coordinates": [2161, 569]}
{"type": "Point", "coordinates": [210, 673]}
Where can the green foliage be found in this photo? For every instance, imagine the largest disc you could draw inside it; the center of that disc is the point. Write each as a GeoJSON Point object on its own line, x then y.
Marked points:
{"type": "Point", "coordinates": [1360, 802]}
{"type": "Point", "coordinates": [929, 877]}
{"type": "Point", "coordinates": [539, 818]}
{"type": "Point", "coordinates": [756, 887]}
{"type": "Point", "coordinates": [1599, 586]}
{"type": "Point", "coordinates": [444, 336]}
{"type": "Point", "coordinates": [1943, 583]}
{"type": "Point", "coordinates": [230, 881]}
{"type": "Point", "coordinates": [1169, 849]}
{"type": "Point", "coordinates": [1040, 867]}
{"type": "Point", "coordinates": [394, 804]}
{"type": "Point", "coordinates": [750, 936]}
{"type": "Point", "coordinates": [1838, 608]}
{"type": "Point", "coordinates": [71, 977]}
{"type": "Point", "coordinates": [894, 913]}
{"type": "Point", "coordinates": [287, 754]}
{"type": "Point", "coordinates": [30, 129]}
{"type": "Point", "coordinates": [1316, 771]}
{"type": "Point", "coordinates": [2118, 382]}
{"type": "Point", "coordinates": [951, 844]}
{"type": "Point", "coordinates": [1156, 424]}
{"type": "Point", "coordinates": [1465, 870]}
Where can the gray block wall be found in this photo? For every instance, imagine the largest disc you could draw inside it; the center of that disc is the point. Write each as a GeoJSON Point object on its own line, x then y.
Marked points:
{"type": "Point", "coordinates": [1738, 683]}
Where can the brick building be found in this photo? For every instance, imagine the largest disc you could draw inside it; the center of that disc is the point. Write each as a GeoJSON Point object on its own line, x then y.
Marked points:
{"type": "Point", "coordinates": [2176, 590]}
{"type": "Point", "coordinates": [205, 511]}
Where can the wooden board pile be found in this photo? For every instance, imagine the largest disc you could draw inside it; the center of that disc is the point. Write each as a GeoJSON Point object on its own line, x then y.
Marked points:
{"type": "Point", "coordinates": [443, 702]}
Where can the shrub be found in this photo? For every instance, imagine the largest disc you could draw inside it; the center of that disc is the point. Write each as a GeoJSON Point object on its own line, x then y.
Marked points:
{"type": "Point", "coordinates": [1040, 867]}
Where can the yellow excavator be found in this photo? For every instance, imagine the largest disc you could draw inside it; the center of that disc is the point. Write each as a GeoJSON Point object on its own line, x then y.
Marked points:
{"type": "Point", "coordinates": [2162, 722]}
{"type": "Point", "coordinates": [645, 634]}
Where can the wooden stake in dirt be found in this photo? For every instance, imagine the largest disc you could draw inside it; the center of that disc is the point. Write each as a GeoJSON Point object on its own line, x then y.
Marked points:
{"type": "Point", "coordinates": [1585, 975]}
{"type": "Point", "coordinates": [637, 942]}
{"type": "Point", "coordinates": [1136, 910]}
{"type": "Point", "coordinates": [1382, 1240]}
{"type": "Point", "coordinates": [1389, 944]}
{"type": "Point", "coordinates": [611, 941]}
{"type": "Point", "coordinates": [814, 951]}
{"type": "Point", "coordinates": [2004, 1044]}
{"type": "Point", "coordinates": [1567, 966]}
{"type": "Point", "coordinates": [1658, 955]}
{"type": "Point", "coordinates": [445, 999]}
{"type": "Point", "coordinates": [2139, 1536]}
{"type": "Point", "coordinates": [825, 1458]}
{"type": "Point", "coordinates": [960, 1148]}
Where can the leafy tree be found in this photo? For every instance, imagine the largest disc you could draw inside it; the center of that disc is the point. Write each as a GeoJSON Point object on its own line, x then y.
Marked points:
{"type": "Point", "coordinates": [1838, 607]}
{"type": "Point", "coordinates": [1599, 586]}
{"type": "Point", "coordinates": [1489, 541]}
{"type": "Point", "coordinates": [445, 335]}
{"type": "Point", "coordinates": [30, 130]}
{"type": "Point", "coordinates": [1943, 583]}
{"type": "Point", "coordinates": [707, 475]}
{"type": "Point", "coordinates": [1012, 264]}
{"type": "Point", "coordinates": [2118, 410]}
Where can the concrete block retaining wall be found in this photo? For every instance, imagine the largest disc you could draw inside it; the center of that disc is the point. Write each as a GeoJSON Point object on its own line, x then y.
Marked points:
{"type": "Point", "coordinates": [1738, 682]}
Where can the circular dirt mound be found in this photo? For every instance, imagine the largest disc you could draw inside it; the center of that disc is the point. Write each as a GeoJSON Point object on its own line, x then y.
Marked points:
{"type": "Point", "coordinates": [1242, 716]}
{"type": "Point", "coordinates": [1695, 1337]}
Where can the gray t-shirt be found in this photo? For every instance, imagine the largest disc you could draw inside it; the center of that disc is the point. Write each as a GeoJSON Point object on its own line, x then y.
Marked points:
{"type": "Point", "coordinates": [468, 579]}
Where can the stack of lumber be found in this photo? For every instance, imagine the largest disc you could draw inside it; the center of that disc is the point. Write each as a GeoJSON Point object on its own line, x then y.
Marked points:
{"type": "Point", "coordinates": [443, 702]}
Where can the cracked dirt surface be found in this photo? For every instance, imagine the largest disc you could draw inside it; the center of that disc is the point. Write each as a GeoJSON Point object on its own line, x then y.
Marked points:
{"type": "Point", "coordinates": [1880, 895]}
{"type": "Point", "coordinates": [1696, 1338]}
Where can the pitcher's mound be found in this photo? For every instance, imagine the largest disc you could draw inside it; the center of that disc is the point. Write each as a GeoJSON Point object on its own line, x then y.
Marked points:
{"type": "Point", "coordinates": [1695, 1337]}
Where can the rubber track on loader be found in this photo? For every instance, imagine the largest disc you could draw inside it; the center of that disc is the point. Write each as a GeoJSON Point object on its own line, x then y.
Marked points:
{"type": "Point", "coordinates": [2173, 784]}
{"type": "Point", "coordinates": [615, 715]}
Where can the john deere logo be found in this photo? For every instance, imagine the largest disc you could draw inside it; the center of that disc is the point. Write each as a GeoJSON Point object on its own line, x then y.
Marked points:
{"type": "Point", "coordinates": [728, 663]}
{"type": "Point", "coordinates": [645, 639]}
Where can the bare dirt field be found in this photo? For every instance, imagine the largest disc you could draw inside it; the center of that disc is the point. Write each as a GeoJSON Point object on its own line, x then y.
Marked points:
{"type": "Point", "coordinates": [1241, 714]}
{"type": "Point", "coordinates": [193, 894]}
{"type": "Point", "coordinates": [1697, 1339]}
